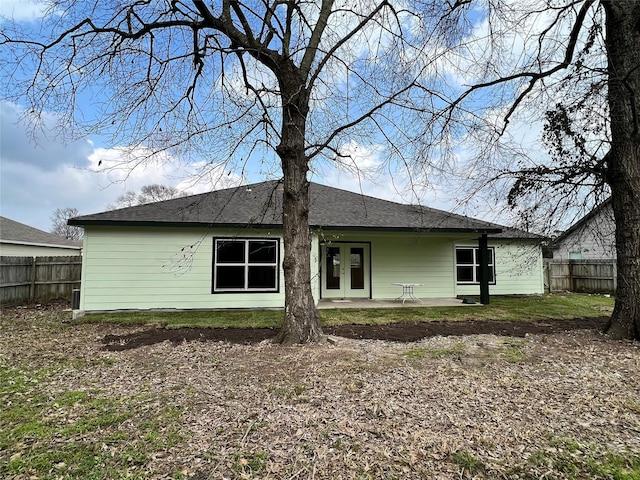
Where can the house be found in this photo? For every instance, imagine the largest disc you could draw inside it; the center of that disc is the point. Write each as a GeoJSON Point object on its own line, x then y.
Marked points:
{"type": "Point", "coordinates": [590, 238]}
{"type": "Point", "coordinates": [223, 249]}
{"type": "Point", "coordinates": [20, 240]}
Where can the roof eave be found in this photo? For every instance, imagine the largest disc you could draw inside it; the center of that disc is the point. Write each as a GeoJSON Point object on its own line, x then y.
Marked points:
{"type": "Point", "coordinates": [122, 223]}
{"type": "Point", "coordinates": [407, 229]}
{"type": "Point", "coordinates": [142, 223]}
{"type": "Point", "coordinates": [40, 244]}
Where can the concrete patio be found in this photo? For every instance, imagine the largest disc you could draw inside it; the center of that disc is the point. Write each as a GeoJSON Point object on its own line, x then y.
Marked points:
{"type": "Point", "coordinates": [327, 303]}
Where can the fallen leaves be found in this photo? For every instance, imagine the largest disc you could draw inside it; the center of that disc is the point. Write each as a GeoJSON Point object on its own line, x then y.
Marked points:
{"type": "Point", "coordinates": [479, 406]}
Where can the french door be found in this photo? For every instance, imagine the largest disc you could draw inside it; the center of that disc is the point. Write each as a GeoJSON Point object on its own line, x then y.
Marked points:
{"type": "Point", "coordinates": [346, 270]}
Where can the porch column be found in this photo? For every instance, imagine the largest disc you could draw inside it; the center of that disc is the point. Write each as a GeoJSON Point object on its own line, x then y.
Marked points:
{"type": "Point", "coordinates": [483, 243]}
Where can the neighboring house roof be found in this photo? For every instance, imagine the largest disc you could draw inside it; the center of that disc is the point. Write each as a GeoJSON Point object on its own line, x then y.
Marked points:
{"type": "Point", "coordinates": [582, 223]}
{"type": "Point", "coordinates": [19, 233]}
{"type": "Point", "coordinates": [260, 205]}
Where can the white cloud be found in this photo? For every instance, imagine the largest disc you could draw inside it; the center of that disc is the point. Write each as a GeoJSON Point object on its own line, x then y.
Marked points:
{"type": "Point", "coordinates": [363, 158]}
{"type": "Point", "coordinates": [361, 169]}
{"type": "Point", "coordinates": [25, 10]}
{"type": "Point", "coordinates": [38, 178]}
{"type": "Point", "coordinates": [39, 147]}
{"type": "Point", "coordinates": [39, 174]}
{"type": "Point", "coordinates": [200, 177]}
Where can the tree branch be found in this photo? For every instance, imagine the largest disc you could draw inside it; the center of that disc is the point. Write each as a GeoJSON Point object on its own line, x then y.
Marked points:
{"type": "Point", "coordinates": [535, 77]}
{"type": "Point", "coordinates": [314, 41]}
{"type": "Point", "coordinates": [368, 114]}
{"type": "Point", "coordinates": [245, 41]}
{"type": "Point", "coordinates": [340, 43]}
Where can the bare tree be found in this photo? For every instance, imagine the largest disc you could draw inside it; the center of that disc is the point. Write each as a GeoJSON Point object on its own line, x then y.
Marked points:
{"type": "Point", "coordinates": [231, 79]}
{"type": "Point", "coordinates": [148, 194]}
{"type": "Point", "coordinates": [574, 67]}
{"type": "Point", "coordinates": [59, 224]}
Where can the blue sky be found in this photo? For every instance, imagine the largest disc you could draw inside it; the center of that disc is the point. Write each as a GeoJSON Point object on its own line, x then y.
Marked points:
{"type": "Point", "coordinates": [40, 171]}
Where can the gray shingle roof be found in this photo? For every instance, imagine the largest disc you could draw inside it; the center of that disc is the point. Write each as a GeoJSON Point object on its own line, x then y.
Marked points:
{"type": "Point", "coordinates": [260, 205]}
{"type": "Point", "coordinates": [16, 232]}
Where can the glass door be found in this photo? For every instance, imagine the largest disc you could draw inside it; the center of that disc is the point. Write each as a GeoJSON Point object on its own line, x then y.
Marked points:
{"type": "Point", "coordinates": [356, 270]}
{"type": "Point", "coordinates": [345, 271]}
{"type": "Point", "coordinates": [333, 269]}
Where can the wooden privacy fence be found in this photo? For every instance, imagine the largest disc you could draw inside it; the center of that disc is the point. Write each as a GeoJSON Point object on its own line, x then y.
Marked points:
{"type": "Point", "coordinates": [582, 276]}
{"type": "Point", "coordinates": [30, 278]}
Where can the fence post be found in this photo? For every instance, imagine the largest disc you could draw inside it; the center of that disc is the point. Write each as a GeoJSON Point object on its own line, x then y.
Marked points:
{"type": "Point", "coordinates": [572, 287]}
{"type": "Point", "coordinates": [32, 287]}
{"type": "Point", "coordinates": [615, 275]}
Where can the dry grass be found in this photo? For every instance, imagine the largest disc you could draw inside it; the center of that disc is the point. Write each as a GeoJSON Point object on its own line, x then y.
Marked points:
{"type": "Point", "coordinates": [547, 406]}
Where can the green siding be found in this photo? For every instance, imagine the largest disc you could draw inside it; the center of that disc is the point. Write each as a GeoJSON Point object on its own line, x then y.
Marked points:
{"type": "Point", "coordinates": [407, 258]}
{"type": "Point", "coordinates": [154, 268]}
{"type": "Point", "coordinates": [315, 268]}
{"type": "Point", "coordinates": [145, 268]}
{"type": "Point", "coordinates": [430, 261]}
{"type": "Point", "coordinates": [518, 269]}
{"type": "Point", "coordinates": [412, 259]}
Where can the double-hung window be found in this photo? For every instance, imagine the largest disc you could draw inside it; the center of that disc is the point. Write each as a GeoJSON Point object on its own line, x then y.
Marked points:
{"type": "Point", "coordinates": [468, 265]}
{"type": "Point", "coordinates": [245, 265]}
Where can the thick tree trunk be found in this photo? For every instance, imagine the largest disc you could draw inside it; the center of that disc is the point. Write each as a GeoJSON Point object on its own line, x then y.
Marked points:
{"type": "Point", "coordinates": [623, 51]}
{"type": "Point", "coordinates": [301, 320]}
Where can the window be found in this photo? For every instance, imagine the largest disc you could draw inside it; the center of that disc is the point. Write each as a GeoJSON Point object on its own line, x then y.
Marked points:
{"type": "Point", "coordinates": [468, 265]}
{"type": "Point", "coordinates": [245, 265]}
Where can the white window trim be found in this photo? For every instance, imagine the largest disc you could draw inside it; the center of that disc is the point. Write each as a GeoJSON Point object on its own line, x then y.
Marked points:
{"type": "Point", "coordinates": [476, 263]}
{"type": "Point", "coordinates": [246, 264]}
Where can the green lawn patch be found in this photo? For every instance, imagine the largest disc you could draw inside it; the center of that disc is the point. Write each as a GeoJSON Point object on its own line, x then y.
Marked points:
{"type": "Point", "coordinates": [565, 458]}
{"type": "Point", "coordinates": [509, 308]}
{"type": "Point", "coordinates": [191, 318]}
{"type": "Point", "coordinates": [78, 434]}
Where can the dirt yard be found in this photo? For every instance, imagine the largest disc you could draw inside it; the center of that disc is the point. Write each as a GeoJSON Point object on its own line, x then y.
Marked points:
{"type": "Point", "coordinates": [398, 332]}
{"type": "Point", "coordinates": [532, 400]}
